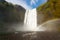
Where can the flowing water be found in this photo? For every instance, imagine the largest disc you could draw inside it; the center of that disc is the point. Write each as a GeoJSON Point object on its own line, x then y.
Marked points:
{"type": "Point", "coordinates": [30, 21]}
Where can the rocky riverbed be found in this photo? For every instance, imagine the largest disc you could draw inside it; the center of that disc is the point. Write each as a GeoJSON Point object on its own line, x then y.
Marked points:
{"type": "Point", "coordinates": [30, 36]}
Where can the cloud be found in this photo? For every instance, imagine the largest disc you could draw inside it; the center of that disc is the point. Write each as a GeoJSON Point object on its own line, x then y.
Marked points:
{"type": "Point", "coordinates": [20, 2]}
{"type": "Point", "coordinates": [33, 2]}
{"type": "Point", "coordinates": [27, 4]}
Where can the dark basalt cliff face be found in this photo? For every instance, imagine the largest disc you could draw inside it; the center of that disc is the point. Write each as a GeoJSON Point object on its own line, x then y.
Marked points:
{"type": "Point", "coordinates": [2, 0]}
{"type": "Point", "coordinates": [10, 14]}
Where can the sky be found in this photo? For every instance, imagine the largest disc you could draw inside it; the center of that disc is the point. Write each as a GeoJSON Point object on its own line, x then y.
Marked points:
{"type": "Point", "coordinates": [28, 4]}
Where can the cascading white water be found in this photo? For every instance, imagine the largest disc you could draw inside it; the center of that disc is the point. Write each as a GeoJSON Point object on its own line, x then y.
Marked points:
{"type": "Point", "coordinates": [30, 20]}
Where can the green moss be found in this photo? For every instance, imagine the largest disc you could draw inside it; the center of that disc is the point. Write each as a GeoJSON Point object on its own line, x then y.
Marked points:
{"type": "Point", "coordinates": [51, 10]}
{"type": "Point", "coordinates": [53, 6]}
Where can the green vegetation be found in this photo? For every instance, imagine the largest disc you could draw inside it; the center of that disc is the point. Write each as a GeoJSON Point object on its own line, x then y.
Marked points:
{"type": "Point", "coordinates": [52, 7]}
{"type": "Point", "coordinates": [50, 10]}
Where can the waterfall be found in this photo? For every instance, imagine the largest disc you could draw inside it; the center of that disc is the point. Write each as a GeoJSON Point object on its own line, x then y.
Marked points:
{"type": "Point", "coordinates": [30, 20]}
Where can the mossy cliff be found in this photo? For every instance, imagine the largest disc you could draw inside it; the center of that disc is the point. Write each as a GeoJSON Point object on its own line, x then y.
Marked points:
{"type": "Point", "coordinates": [49, 10]}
